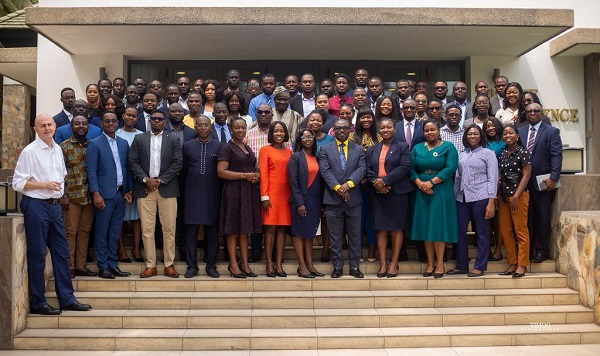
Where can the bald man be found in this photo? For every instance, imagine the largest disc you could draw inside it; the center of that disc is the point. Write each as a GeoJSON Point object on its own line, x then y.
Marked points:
{"type": "Point", "coordinates": [39, 176]}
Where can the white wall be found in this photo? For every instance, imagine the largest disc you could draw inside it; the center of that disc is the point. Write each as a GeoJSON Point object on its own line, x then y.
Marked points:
{"type": "Point", "coordinates": [57, 69]}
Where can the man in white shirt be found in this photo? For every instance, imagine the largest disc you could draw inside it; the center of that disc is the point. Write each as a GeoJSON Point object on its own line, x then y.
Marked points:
{"type": "Point", "coordinates": [39, 175]}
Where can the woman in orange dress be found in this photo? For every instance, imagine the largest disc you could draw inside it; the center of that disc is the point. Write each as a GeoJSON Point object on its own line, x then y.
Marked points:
{"type": "Point", "coordinates": [274, 195]}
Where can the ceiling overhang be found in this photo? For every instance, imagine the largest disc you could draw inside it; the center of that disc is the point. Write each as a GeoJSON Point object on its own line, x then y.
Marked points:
{"type": "Point", "coordinates": [19, 64]}
{"type": "Point", "coordinates": [298, 33]}
{"type": "Point", "coordinates": [576, 43]}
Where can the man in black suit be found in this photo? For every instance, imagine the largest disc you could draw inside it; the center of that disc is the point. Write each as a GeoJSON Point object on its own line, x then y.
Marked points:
{"type": "Point", "coordinates": [149, 104]}
{"type": "Point", "coordinates": [220, 130]}
{"type": "Point", "coordinates": [343, 166]}
{"type": "Point", "coordinates": [497, 101]}
{"type": "Point", "coordinates": [155, 159]}
{"type": "Point", "coordinates": [545, 146]}
{"type": "Point", "coordinates": [233, 84]}
{"type": "Point", "coordinates": [409, 130]}
{"type": "Point", "coordinates": [64, 117]}
{"type": "Point", "coordinates": [305, 103]}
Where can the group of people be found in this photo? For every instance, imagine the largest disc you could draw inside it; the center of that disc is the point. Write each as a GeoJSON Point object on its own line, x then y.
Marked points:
{"type": "Point", "coordinates": [253, 167]}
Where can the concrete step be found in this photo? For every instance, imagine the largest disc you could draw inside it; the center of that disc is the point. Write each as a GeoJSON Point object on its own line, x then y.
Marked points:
{"type": "Point", "coordinates": [324, 299]}
{"type": "Point", "coordinates": [290, 266]}
{"type": "Point", "coordinates": [311, 318]}
{"type": "Point", "coordinates": [306, 338]}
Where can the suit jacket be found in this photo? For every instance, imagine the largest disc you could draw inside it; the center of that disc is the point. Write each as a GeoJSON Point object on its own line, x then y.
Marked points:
{"type": "Point", "coordinates": [495, 101]}
{"type": "Point", "coordinates": [298, 176]}
{"type": "Point", "coordinates": [101, 168]}
{"type": "Point", "coordinates": [171, 162]}
{"type": "Point", "coordinates": [61, 119]}
{"type": "Point", "coordinates": [397, 166]}
{"type": "Point", "coordinates": [417, 136]}
{"type": "Point", "coordinates": [330, 167]}
{"type": "Point", "coordinates": [213, 132]}
{"type": "Point", "coordinates": [141, 122]}
{"type": "Point", "coordinates": [468, 109]}
{"type": "Point", "coordinates": [296, 105]}
{"type": "Point", "coordinates": [64, 132]}
{"type": "Point", "coordinates": [546, 156]}
{"type": "Point", "coordinates": [188, 133]}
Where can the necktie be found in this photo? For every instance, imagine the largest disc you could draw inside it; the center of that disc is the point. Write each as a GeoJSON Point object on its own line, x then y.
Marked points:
{"type": "Point", "coordinates": [531, 139]}
{"type": "Point", "coordinates": [408, 134]}
{"type": "Point", "coordinates": [342, 156]}
{"type": "Point", "coordinates": [269, 100]}
{"type": "Point", "coordinates": [223, 137]}
{"type": "Point", "coordinates": [148, 127]}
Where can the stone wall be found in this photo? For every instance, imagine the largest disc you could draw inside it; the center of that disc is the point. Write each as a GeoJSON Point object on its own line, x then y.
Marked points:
{"type": "Point", "coordinates": [16, 109]}
{"type": "Point", "coordinates": [579, 255]}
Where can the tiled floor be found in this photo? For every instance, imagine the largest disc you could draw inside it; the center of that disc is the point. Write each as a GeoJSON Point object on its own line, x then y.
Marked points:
{"type": "Point", "coordinates": [550, 350]}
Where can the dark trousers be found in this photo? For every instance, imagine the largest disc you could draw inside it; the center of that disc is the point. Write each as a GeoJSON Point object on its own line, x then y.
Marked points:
{"type": "Point", "coordinates": [211, 245]}
{"type": "Point", "coordinates": [338, 217]}
{"type": "Point", "coordinates": [365, 218]}
{"type": "Point", "coordinates": [180, 229]}
{"type": "Point", "coordinates": [107, 231]}
{"type": "Point", "coordinates": [45, 229]}
{"type": "Point", "coordinates": [475, 212]}
{"type": "Point", "coordinates": [540, 204]}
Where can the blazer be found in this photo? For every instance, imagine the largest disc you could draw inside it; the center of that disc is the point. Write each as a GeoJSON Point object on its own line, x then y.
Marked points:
{"type": "Point", "coordinates": [397, 166]}
{"type": "Point", "coordinates": [213, 132]}
{"type": "Point", "coordinates": [188, 133]}
{"type": "Point", "coordinates": [64, 132]}
{"type": "Point", "coordinates": [330, 167]}
{"type": "Point", "coordinates": [141, 122]}
{"type": "Point", "coordinates": [495, 101]}
{"type": "Point", "coordinates": [298, 177]}
{"type": "Point", "coordinates": [171, 162]}
{"type": "Point", "coordinates": [61, 119]}
{"type": "Point", "coordinates": [468, 109]}
{"type": "Point", "coordinates": [101, 168]}
{"type": "Point", "coordinates": [417, 137]}
{"type": "Point", "coordinates": [546, 156]}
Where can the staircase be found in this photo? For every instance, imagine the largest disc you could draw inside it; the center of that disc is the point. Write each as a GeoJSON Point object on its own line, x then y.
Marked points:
{"type": "Point", "coordinates": [263, 313]}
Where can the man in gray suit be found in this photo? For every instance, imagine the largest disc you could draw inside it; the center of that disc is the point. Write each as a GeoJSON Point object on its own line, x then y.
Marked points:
{"type": "Point", "coordinates": [343, 166]}
{"type": "Point", "coordinates": [497, 100]}
{"type": "Point", "coordinates": [155, 158]}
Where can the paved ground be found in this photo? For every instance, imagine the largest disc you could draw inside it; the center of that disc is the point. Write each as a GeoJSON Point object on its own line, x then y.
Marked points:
{"type": "Point", "coordinates": [548, 350]}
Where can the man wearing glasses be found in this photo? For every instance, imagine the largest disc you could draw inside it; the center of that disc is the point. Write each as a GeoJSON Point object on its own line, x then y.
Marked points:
{"type": "Point", "coordinates": [155, 159]}
{"type": "Point", "coordinates": [545, 146]}
{"type": "Point", "coordinates": [110, 184]}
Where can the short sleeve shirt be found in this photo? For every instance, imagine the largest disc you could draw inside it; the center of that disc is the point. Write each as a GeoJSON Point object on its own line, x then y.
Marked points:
{"type": "Point", "coordinates": [511, 170]}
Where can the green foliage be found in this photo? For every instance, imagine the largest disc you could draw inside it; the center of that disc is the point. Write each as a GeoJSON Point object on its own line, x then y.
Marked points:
{"type": "Point", "coordinates": [9, 6]}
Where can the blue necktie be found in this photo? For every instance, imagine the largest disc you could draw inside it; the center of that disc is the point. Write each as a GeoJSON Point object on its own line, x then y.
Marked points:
{"type": "Point", "coordinates": [342, 156]}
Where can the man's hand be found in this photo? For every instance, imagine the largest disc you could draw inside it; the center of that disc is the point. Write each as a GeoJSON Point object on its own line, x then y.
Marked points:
{"type": "Point", "coordinates": [550, 184]}
{"type": "Point", "coordinates": [99, 201]}
{"type": "Point", "coordinates": [128, 197]}
{"type": "Point", "coordinates": [152, 184]}
{"type": "Point", "coordinates": [53, 185]}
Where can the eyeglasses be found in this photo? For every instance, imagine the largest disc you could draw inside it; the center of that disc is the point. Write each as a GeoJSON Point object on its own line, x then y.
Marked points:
{"type": "Point", "coordinates": [339, 128]}
{"type": "Point", "coordinates": [409, 107]}
{"type": "Point", "coordinates": [266, 112]}
{"type": "Point", "coordinates": [157, 118]}
{"type": "Point", "coordinates": [535, 111]}
{"type": "Point", "coordinates": [307, 138]}
{"type": "Point", "coordinates": [435, 108]}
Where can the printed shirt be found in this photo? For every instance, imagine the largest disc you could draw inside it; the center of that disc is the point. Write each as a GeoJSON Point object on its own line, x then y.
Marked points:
{"type": "Point", "coordinates": [77, 179]}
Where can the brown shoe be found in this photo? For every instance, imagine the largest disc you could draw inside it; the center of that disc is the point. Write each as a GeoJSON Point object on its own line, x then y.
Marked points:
{"type": "Point", "coordinates": [171, 272]}
{"type": "Point", "coordinates": [85, 272]}
{"type": "Point", "coordinates": [148, 272]}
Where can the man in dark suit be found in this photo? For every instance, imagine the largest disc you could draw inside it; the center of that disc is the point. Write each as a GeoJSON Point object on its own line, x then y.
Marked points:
{"type": "Point", "coordinates": [460, 99]}
{"type": "Point", "coordinates": [67, 98]}
{"type": "Point", "coordinates": [110, 184]}
{"type": "Point", "coordinates": [149, 103]}
{"type": "Point", "coordinates": [233, 84]}
{"type": "Point", "coordinates": [409, 130]}
{"type": "Point", "coordinates": [343, 166]}
{"type": "Point", "coordinates": [304, 103]}
{"type": "Point", "coordinates": [544, 143]}
{"type": "Point", "coordinates": [220, 130]}
{"type": "Point", "coordinates": [155, 159]}
{"type": "Point", "coordinates": [497, 100]}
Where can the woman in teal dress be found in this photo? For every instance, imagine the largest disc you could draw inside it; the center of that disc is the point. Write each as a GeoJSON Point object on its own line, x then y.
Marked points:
{"type": "Point", "coordinates": [434, 221]}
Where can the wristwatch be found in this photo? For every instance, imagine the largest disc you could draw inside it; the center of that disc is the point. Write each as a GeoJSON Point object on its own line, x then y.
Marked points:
{"type": "Point", "coordinates": [145, 180]}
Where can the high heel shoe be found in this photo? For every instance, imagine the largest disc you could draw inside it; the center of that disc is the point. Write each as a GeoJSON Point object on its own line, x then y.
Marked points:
{"type": "Point", "coordinates": [302, 275]}
{"type": "Point", "coordinates": [247, 274]}
{"type": "Point", "coordinates": [234, 275]}
{"type": "Point", "coordinates": [136, 259]}
{"type": "Point", "coordinates": [519, 275]}
{"type": "Point", "coordinates": [429, 274]}
{"type": "Point", "coordinates": [384, 273]}
{"type": "Point", "coordinates": [272, 274]}
{"type": "Point", "coordinates": [281, 273]}
{"type": "Point", "coordinates": [437, 275]}
{"type": "Point", "coordinates": [392, 275]}
{"type": "Point", "coordinates": [316, 273]}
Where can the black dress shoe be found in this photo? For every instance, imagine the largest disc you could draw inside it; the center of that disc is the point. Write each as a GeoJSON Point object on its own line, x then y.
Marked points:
{"type": "Point", "coordinates": [106, 274]}
{"type": "Point", "coordinates": [540, 257]}
{"type": "Point", "coordinates": [356, 273]}
{"type": "Point", "coordinates": [76, 306]}
{"type": "Point", "coordinates": [118, 273]}
{"type": "Point", "coordinates": [85, 272]}
{"type": "Point", "coordinates": [212, 273]}
{"type": "Point", "coordinates": [457, 271]}
{"type": "Point", "coordinates": [473, 274]}
{"type": "Point", "coordinates": [518, 275]}
{"type": "Point", "coordinates": [337, 273]}
{"type": "Point", "coordinates": [317, 274]}
{"type": "Point", "coordinates": [191, 272]}
{"type": "Point", "coordinates": [46, 310]}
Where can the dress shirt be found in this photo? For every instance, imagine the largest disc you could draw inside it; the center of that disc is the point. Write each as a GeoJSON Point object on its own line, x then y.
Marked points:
{"type": "Point", "coordinates": [463, 110]}
{"type": "Point", "coordinates": [184, 104]}
{"type": "Point", "coordinates": [477, 175]}
{"type": "Point", "coordinates": [453, 137]}
{"type": "Point", "coordinates": [41, 163]}
{"type": "Point", "coordinates": [501, 101]}
{"type": "Point", "coordinates": [112, 142]}
{"type": "Point", "coordinates": [179, 134]}
{"type": "Point", "coordinates": [336, 101]}
{"type": "Point", "coordinates": [412, 129]}
{"type": "Point", "coordinates": [227, 132]}
{"type": "Point", "coordinates": [155, 150]}
{"type": "Point", "coordinates": [69, 115]}
{"type": "Point", "coordinates": [308, 104]}
{"type": "Point", "coordinates": [338, 143]}
{"type": "Point", "coordinates": [260, 99]}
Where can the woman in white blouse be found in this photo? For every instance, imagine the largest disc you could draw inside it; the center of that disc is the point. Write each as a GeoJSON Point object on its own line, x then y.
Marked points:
{"type": "Point", "coordinates": [512, 104]}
